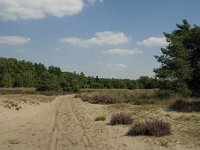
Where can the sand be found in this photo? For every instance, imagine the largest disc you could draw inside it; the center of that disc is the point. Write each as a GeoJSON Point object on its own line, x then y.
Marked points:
{"type": "Point", "coordinates": [68, 123]}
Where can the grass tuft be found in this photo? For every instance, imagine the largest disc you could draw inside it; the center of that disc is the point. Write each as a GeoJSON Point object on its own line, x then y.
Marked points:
{"type": "Point", "coordinates": [100, 118]}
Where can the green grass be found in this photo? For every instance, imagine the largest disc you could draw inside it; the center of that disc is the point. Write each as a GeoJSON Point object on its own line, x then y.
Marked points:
{"type": "Point", "coordinates": [100, 118]}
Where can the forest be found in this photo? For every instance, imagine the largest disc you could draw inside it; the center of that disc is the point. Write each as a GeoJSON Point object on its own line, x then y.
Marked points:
{"type": "Point", "coordinates": [15, 73]}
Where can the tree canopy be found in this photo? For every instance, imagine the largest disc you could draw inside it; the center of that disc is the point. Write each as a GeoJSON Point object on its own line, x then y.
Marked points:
{"type": "Point", "coordinates": [180, 60]}
{"type": "Point", "coordinates": [14, 73]}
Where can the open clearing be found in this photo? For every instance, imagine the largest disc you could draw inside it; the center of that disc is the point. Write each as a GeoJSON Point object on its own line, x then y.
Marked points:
{"type": "Point", "coordinates": [42, 123]}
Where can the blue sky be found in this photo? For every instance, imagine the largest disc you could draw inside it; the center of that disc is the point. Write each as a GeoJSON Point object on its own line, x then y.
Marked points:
{"type": "Point", "coordinates": [108, 38]}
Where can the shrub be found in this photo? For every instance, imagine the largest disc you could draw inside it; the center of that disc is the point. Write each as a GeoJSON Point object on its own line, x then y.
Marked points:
{"type": "Point", "coordinates": [184, 106]}
{"type": "Point", "coordinates": [143, 102]}
{"type": "Point", "coordinates": [83, 97]}
{"type": "Point", "coordinates": [138, 129]}
{"type": "Point", "coordinates": [150, 128]}
{"type": "Point", "coordinates": [100, 118]}
{"type": "Point", "coordinates": [121, 118]}
{"type": "Point", "coordinates": [102, 99]}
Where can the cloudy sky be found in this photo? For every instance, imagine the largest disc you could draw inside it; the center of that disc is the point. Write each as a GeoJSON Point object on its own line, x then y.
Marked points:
{"type": "Point", "coordinates": [108, 38]}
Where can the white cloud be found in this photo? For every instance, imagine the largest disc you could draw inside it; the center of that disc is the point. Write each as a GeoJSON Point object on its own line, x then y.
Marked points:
{"type": "Point", "coordinates": [153, 41]}
{"type": "Point", "coordinates": [123, 52]}
{"type": "Point", "coordinates": [100, 38]}
{"type": "Point", "coordinates": [92, 2]}
{"type": "Point", "coordinates": [36, 9]}
{"type": "Point", "coordinates": [112, 66]}
{"type": "Point", "coordinates": [13, 40]}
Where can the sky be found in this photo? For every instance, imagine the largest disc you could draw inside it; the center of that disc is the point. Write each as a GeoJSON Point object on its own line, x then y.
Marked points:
{"type": "Point", "coordinates": [105, 38]}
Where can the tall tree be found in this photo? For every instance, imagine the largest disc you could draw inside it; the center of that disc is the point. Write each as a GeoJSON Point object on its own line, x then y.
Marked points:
{"type": "Point", "coordinates": [179, 60]}
{"type": "Point", "coordinates": [28, 79]}
{"type": "Point", "coordinates": [7, 81]}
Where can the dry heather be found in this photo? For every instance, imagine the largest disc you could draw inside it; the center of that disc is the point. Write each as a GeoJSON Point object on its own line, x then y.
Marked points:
{"type": "Point", "coordinates": [108, 96]}
{"type": "Point", "coordinates": [181, 126]}
{"type": "Point", "coordinates": [121, 118]}
{"type": "Point", "coordinates": [184, 126]}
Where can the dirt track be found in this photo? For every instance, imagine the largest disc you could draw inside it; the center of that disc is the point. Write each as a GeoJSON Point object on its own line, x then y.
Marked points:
{"type": "Point", "coordinates": [65, 123]}
{"type": "Point", "coordinates": [74, 128]}
{"type": "Point", "coordinates": [68, 123]}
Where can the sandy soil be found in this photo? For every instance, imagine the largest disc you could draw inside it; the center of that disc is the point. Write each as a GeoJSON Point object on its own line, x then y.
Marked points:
{"type": "Point", "coordinates": [68, 123]}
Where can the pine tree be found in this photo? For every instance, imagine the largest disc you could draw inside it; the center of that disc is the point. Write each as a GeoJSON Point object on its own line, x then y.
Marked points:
{"type": "Point", "coordinates": [179, 69]}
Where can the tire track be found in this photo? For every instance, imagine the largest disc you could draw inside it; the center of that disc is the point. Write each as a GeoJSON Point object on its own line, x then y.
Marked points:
{"type": "Point", "coordinates": [75, 113]}
{"type": "Point", "coordinates": [55, 129]}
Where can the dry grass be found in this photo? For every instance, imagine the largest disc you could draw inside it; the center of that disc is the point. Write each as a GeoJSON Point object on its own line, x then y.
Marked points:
{"type": "Point", "coordinates": [7, 91]}
{"type": "Point", "coordinates": [27, 98]}
{"type": "Point", "coordinates": [118, 95]}
{"type": "Point", "coordinates": [184, 126]}
{"type": "Point", "coordinates": [15, 101]}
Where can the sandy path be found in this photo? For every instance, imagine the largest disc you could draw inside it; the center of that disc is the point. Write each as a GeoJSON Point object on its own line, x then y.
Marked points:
{"type": "Point", "coordinates": [29, 128]}
{"type": "Point", "coordinates": [65, 123]}
{"type": "Point", "coordinates": [76, 129]}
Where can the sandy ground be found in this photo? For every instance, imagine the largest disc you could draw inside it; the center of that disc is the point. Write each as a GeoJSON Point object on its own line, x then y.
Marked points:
{"type": "Point", "coordinates": [68, 123]}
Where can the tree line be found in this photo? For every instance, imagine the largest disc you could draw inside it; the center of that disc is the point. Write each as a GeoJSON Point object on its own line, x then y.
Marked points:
{"type": "Point", "coordinates": [15, 73]}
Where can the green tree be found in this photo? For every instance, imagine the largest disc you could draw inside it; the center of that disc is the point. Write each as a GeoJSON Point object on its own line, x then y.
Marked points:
{"type": "Point", "coordinates": [18, 81]}
{"type": "Point", "coordinates": [28, 79]}
{"type": "Point", "coordinates": [55, 70]}
{"type": "Point", "coordinates": [48, 82]}
{"type": "Point", "coordinates": [69, 83]}
{"type": "Point", "coordinates": [7, 81]}
{"type": "Point", "coordinates": [179, 60]}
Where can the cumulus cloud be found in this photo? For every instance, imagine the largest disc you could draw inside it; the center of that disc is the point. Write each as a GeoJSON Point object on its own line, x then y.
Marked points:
{"type": "Point", "coordinates": [36, 9]}
{"type": "Point", "coordinates": [153, 41]}
{"type": "Point", "coordinates": [123, 52]}
{"type": "Point", "coordinates": [100, 38]}
{"type": "Point", "coordinates": [13, 40]}
{"type": "Point", "coordinates": [112, 66]}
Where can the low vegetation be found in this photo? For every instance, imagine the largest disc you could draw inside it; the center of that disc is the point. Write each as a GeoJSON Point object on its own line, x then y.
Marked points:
{"type": "Point", "coordinates": [100, 118]}
{"type": "Point", "coordinates": [121, 118]}
{"type": "Point", "coordinates": [111, 96]}
{"type": "Point", "coordinates": [101, 99]}
{"type": "Point", "coordinates": [150, 128]}
{"type": "Point", "coordinates": [186, 106]}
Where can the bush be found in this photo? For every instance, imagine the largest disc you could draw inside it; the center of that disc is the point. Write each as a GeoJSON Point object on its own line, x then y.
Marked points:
{"type": "Point", "coordinates": [100, 118]}
{"type": "Point", "coordinates": [184, 106]}
{"type": "Point", "coordinates": [143, 102]}
{"type": "Point", "coordinates": [102, 99]}
{"type": "Point", "coordinates": [121, 118]}
{"type": "Point", "coordinates": [138, 129]}
{"type": "Point", "coordinates": [153, 128]}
